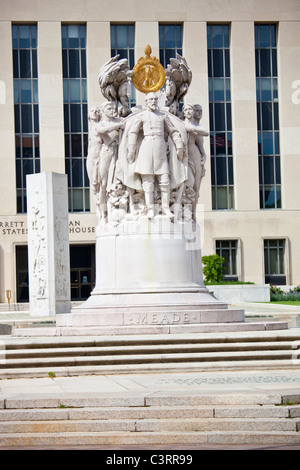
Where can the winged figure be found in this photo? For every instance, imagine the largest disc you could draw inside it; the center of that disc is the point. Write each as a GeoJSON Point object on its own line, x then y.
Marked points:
{"type": "Point", "coordinates": [178, 80]}
{"type": "Point", "coordinates": [115, 84]}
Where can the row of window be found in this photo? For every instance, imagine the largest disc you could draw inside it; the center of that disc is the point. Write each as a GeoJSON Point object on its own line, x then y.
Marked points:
{"type": "Point", "coordinates": [274, 260]}
{"type": "Point", "coordinates": [82, 266]}
{"type": "Point", "coordinates": [170, 43]}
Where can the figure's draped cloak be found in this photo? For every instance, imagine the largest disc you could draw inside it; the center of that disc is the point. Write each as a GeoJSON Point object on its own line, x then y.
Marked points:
{"type": "Point", "coordinates": [129, 174]}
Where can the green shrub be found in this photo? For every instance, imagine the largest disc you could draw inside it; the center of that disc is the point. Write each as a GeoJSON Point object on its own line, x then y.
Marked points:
{"type": "Point", "coordinates": [213, 269]}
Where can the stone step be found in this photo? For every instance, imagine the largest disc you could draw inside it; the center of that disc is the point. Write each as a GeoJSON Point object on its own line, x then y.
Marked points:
{"type": "Point", "coordinates": [168, 418]}
{"type": "Point", "coordinates": [238, 326]}
{"type": "Point", "coordinates": [128, 359]}
{"type": "Point", "coordinates": [150, 339]}
{"type": "Point", "coordinates": [75, 370]}
{"type": "Point", "coordinates": [29, 357]}
{"type": "Point", "coordinates": [151, 412]}
{"type": "Point", "coordinates": [147, 438]}
{"type": "Point", "coordinates": [89, 413]}
{"type": "Point", "coordinates": [138, 399]}
{"type": "Point", "coordinates": [146, 349]}
{"type": "Point", "coordinates": [149, 425]}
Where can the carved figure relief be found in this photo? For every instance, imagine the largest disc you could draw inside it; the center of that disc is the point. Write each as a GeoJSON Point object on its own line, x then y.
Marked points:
{"type": "Point", "coordinates": [147, 160]}
{"type": "Point", "coordinates": [38, 243]}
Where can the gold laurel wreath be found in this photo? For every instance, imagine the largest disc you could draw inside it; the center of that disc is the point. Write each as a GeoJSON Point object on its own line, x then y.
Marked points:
{"type": "Point", "coordinates": [148, 74]}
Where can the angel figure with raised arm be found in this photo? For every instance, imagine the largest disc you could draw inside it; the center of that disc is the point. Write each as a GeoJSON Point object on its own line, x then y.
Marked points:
{"type": "Point", "coordinates": [106, 134]}
{"type": "Point", "coordinates": [196, 154]}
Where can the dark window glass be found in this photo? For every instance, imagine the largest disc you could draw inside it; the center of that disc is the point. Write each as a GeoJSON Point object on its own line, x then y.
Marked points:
{"type": "Point", "coordinates": [122, 44]}
{"type": "Point", "coordinates": [25, 66]}
{"type": "Point", "coordinates": [75, 113]}
{"type": "Point", "coordinates": [76, 145]}
{"type": "Point", "coordinates": [26, 107]}
{"type": "Point", "coordinates": [267, 116]}
{"type": "Point", "coordinates": [274, 255]}
{"type": "Point", "coordinates": [218, 63]}
{"type": "Point", "coordinates": [220, 116]}
{"type": "Point", "coordinates": [26, 118]}
{"type": "Point", "coordinates": [74, 63]}
{"type": "Point", "coordinates": [227, 249]}
{"type": "Point", "coordinates": [221, 171]}
{"type": "Point", "coordinates": [75, 117]}
{"type": "Point", "coordinates": [170, 42]}
{"type": "Point", "coordinates": [220, 121]}
{"type": "Point", "coordinates": [265, 63]}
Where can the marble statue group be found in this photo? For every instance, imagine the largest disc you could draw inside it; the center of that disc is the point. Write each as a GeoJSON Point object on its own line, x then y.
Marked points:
{"type": "Point", "coordinates": [146, 160]}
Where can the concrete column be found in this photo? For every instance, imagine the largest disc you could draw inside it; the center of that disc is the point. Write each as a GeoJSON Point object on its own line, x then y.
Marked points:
{"type": "Point", "coordinates": [195, 53]}
{"type": "Point", "coordinates": [7, 134]}
{"type": "Point", "coordinates": [244, 121]}
{"type": "Point", "coordinates": [288, 54]}
{"type": "Point", "coordinates": [146, 32]}
{"type": "Point", "coordinates": [98, 52]}
{"type": "Point", "coordinates": [52, 147]}
{"type": "Point", "coordinates": [289, 125]}
{"type": "Point", "coordinates": [48, 244]}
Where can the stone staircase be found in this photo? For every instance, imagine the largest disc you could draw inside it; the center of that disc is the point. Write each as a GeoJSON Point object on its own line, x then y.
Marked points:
{"type": "Point", "coordinates": [260, 419]}
{"type": "Point", "coordinates": [14, 307]}
{"type": "Point", "coordinates": [71, 356]}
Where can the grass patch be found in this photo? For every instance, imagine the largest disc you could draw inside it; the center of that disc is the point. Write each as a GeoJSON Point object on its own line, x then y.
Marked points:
{"type": "Point", "coordinates": [227, 283]}
{"type": "Point", "coordinates": [294, 303]}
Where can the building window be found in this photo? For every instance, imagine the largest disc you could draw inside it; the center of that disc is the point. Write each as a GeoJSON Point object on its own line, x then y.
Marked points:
{"type": "Point", "coordinates": [227, 249]}
{"type": "Point", "coordinates": [82, 264]}
{"type": "Point", "coordinates": [75, 115]}
{"type": "Point", "coordinates": [220, 117]}
{"type": "Point", "coordinates": [122, 44]}
{"type": "Point", "coordinates": [274, 253]}
{"type": "Point", "coordinates": [267, 116]}
{"type": "Point", "coordinates": [170, 42]}
{"type": "Point", "coordinates": [26, 104]}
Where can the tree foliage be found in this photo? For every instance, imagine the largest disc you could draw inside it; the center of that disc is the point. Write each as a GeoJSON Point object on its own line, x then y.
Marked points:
{"type": "Point", "coordinates": [213, 269]}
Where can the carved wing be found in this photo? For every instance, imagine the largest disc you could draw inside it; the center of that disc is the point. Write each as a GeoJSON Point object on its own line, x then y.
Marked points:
{"type": "Point", "coordinates": [111, 75]}
{"type": "Point", "coordinates": [180, 74]}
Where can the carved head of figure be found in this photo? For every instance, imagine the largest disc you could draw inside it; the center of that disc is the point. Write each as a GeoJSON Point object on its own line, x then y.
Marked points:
{"type": "Point", "coordinates": [151, 101]}
{"type": "Point", "coordinates": [108, 110]}
{"type": "Point", "coordinates": [198, 112]}
{"type": "Point", "coordinates": [94, 114]}
{"type": "Point", "coordinates": [188, 111]}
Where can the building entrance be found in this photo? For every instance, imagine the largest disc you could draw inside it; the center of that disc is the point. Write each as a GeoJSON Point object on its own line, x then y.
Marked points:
{"type": "Point", "coordinates": [22, 273]}
{"type": "Point", "coordinates": [82, 261]}
{"type": "Point", "coordinates": [82, 272]}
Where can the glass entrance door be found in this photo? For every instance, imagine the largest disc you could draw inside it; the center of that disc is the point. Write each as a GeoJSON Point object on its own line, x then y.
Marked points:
{"type": "Point", "coordinates": [82, 261]}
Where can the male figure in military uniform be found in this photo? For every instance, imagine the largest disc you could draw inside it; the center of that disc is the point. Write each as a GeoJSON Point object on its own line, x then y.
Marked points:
{"type": "Point", "coordinates": [151, 161]}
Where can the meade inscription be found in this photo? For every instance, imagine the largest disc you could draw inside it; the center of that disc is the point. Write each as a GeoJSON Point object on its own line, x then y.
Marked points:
{"type": "Point", "coordinates": [161, 318]}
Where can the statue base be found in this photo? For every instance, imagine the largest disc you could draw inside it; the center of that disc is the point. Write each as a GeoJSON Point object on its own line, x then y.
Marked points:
{"type": "Point", "coordinates": [149, 272]}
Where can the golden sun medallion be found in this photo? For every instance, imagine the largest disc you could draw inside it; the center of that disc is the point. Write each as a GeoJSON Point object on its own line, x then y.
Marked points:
{"type": "Point", "coordinates": [148, 74]}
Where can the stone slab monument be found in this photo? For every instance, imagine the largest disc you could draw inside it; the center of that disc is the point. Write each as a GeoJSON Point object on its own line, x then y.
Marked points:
{"type": "Point", "coordinates": [145, 166]}
{"type": "Point", "coordinates": [48, 244]}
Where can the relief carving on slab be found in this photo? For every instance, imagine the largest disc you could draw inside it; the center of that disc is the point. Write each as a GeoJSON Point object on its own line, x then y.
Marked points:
{"type": "Point", "coordinates": [38, 245]}
{"type": "Point", "coordinates": [147, 160]}
{"type": "Point", "coordinates": [61, 246]}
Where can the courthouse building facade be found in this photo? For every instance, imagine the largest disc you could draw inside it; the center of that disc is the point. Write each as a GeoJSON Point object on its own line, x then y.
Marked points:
{"type": "Point", "coordinates": [245, 60]}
